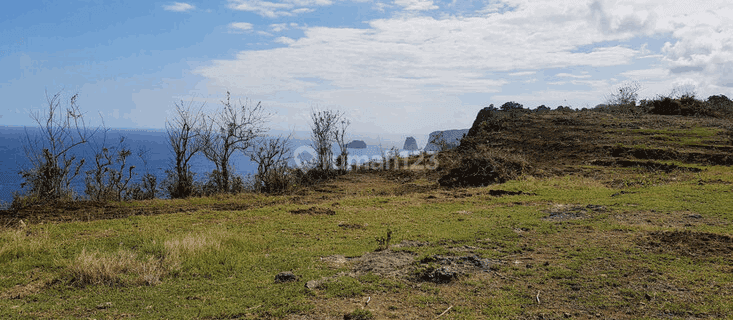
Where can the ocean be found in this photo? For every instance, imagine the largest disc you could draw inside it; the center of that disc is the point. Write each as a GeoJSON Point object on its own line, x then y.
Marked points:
{"type": "Point", "coordinates": [156, 160]}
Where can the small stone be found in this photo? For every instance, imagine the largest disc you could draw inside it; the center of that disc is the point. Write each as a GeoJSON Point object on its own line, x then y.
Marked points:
{"type": "Point", "coordinates": [566, 315]}
{"type": "Point", "coordinates": [286, 276]}
{"type": "Point", "coordinates": [313, 284]}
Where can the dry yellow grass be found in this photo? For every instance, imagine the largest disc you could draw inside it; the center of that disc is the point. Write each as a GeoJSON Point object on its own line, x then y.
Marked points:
{"type": "Point", "coordinates": [118, 269]}
{"type": "Point", "coordinates": [189, 245]}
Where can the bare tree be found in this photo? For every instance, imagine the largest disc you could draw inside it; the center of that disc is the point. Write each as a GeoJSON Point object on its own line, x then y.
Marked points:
{"type": "Point", "coordinates": [340, 135]}
{"type": "Point", "coordinates": [626, 94]}
{"type": "Point", "coordinates": [683, 91]}
{"type": "Point", "coordinates": [232, 128]}
{"type": "Point", "coordinates": [147, 188]}
{"type": "Point", "coordinates": [271, 156]}
{"type": "Point", "coordinates": [52, 164]}
{"type": "Point", "coordinates": [323, 128]}
{"type": "Point", "coordinates": [111, 176]}
{"type": "Point", "coordinates": [185, 141]}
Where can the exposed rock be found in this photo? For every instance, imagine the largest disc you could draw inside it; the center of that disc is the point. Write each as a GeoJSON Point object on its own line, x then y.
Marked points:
{"type": "Point", "coordinates": [356, 144]}
{"type": "Point", "coordinates": [410, 144]}
{"type": "Point", "coordinates": [286, 276]}
{"type": "Point", "coordinates": [313, 284]}
{"type": "Point", "coordinates": [451, 138]}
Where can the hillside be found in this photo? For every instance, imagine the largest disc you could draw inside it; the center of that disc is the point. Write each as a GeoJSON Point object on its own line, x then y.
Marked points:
{"type": "Point", "coordinates": [606, 216]}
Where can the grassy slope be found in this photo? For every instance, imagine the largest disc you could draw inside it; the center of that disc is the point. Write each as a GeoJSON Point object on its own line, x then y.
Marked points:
{"type": "Point", "coordinates": [663, 248]}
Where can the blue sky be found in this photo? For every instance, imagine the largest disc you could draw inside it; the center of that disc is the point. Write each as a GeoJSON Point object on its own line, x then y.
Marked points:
{"type": "Point", "coordinates": [395, 67]}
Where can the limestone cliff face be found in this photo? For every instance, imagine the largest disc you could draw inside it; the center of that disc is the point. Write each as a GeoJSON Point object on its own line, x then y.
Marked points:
{"type": "Point", "coordinates": [451, 138]}
{"type": "Point", "coordinates": [410, 144]}
{"type": "Point", "coordinates": [356, 144]}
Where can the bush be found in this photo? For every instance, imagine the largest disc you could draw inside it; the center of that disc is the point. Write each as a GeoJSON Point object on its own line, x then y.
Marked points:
{"type": "Point", "coordinates": [482, 167]}
{"type": "Point", "coordinates": [146, 189]}
{"type": "Point", "coordinates": [665, 106]}
{"type": "Point", "coordinates": [512, 106]}
{"type": "Point", "coordinates": [180, 187]}
{"type": "Point", "coordinates": [217, 183]}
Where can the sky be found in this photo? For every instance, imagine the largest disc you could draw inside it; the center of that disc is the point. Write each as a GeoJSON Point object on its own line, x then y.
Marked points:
{"type": "Point", "coordinates": [394, 67]}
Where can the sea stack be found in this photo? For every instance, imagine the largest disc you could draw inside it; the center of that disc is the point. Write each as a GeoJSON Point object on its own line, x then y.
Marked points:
{"type": "Point", "coordinates": [410, 144]}
{"type": "Point", "coordinates": [448, 139]}
{"type": "Point", "coordinates": [356, 144]}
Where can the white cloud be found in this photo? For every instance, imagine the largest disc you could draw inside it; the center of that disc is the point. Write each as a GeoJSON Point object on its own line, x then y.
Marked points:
{"type": "Point", "coordinates": [522, 73]}
{"type": "Point", "coordinates": [239, 27]}
{"type": "Point", "coordinates": [284, 8]}
{"type": "Point", "coordinates": [416, 5]}
{"type": "Point", "coordinates": [647, 74]}
{"type": "Point", "coordinates": [179, 7]}
{"type": "Point", "coordinates": [278, 27]}
{"type": "Point", "coordinates": [568, 75]}
{"type": "Point", "coordinates": [285, 40]}
{"type": "Point", "coordinates": [425, 63]}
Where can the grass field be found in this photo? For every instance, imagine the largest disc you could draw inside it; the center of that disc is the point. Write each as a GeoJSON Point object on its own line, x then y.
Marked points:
{"type": "Point", "coordinates": [600, 241]}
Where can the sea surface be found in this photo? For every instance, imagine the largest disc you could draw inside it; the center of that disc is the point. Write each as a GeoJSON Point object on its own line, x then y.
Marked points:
{"type": "Point", "coordinates": [157, 156]}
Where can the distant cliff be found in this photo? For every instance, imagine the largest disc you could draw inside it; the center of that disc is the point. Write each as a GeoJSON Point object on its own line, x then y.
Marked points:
{"type": "Point", "coordinates": [452, 139]}
{"type": "Point", "coordinates": [410, 144]}
{"type": "Point", "coordinates": [356, 144]}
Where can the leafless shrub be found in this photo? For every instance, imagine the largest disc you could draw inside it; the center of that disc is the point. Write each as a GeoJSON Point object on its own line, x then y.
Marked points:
{"type": "Point", "coordinates": [184, 137]}
{"type": "Point", "coordinates": [271, 156]}
{"type": "Point", "coordinates": [626, 94]}
{"type": "Point", "coordinates": [52, 165]}
{"type": "Point", "coordinates": [230, 129]}
{"type": "Point", "coordinates": [342, 161]}
{"type": "Point", "coordinates": [147, 188]}
{"type": "Point", "coordinates": [683, 91]}
{"type": "Point", "coordinates": [110, 177]}
{"type": "Point", "coordinates": [323, 133]}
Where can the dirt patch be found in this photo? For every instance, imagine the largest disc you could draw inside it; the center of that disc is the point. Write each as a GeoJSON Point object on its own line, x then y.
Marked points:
{"type": "Point", "coordinates": [499, 193]}
{"type": "Point", "coordinates": [561, 212]}
{"type": "Point", "coordinates": [689, 243]}
{"type": "Point", "coordinates": [667, 219]}
{"type": "Point", "coordinates": [314, 211]}
{"type": "Point", "coordinates": [444, 269]}
{"type": "Point", "coordinates": [402, 265]}
{"type": "Point", "coordinates": [386, 263]}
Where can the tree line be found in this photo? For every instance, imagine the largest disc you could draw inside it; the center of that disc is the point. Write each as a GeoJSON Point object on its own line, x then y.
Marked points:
{"type": "Point", "coordinates": [236, 126]}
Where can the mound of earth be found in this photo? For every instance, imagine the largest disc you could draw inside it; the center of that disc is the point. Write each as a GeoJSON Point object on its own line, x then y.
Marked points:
{"type": "Point", "coordinates": [554, 142]}
{"type": "Point", "coordinates": [402, 265]}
